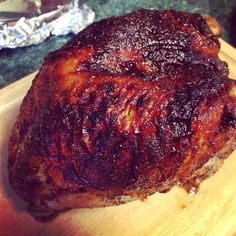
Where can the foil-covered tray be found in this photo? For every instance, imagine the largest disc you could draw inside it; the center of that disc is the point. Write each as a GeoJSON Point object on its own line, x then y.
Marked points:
{"type": "Point", "coordinates": [63, 19]}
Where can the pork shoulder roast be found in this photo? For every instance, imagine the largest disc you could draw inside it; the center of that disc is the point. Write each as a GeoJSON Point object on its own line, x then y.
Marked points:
{"type": "Point", "coordinates": [132, 105]}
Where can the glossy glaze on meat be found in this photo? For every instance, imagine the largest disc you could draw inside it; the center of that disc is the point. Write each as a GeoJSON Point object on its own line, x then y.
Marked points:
{"type": "Point", "coordinates": [130, 106]}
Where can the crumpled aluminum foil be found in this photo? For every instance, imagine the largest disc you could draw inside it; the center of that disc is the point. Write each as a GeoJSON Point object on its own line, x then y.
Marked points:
{"type": "Point", "coordinates": [25, 32]}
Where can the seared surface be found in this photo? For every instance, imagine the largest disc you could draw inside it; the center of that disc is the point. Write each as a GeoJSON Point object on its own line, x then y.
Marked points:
{"type": "Point", "coordinates": [130, 106]}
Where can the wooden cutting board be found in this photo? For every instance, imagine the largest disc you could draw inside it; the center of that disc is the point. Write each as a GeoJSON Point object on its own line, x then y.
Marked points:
{"type": "Point", "coordinates": [210, 212]}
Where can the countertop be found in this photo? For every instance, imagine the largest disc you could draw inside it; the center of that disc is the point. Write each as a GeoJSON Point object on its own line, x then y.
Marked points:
{"type": "Point", "coordinates": [16, 63]}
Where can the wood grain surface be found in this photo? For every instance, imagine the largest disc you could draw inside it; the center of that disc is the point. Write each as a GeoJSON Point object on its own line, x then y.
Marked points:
{"type": "Point", "coordinates": [211, 212]}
